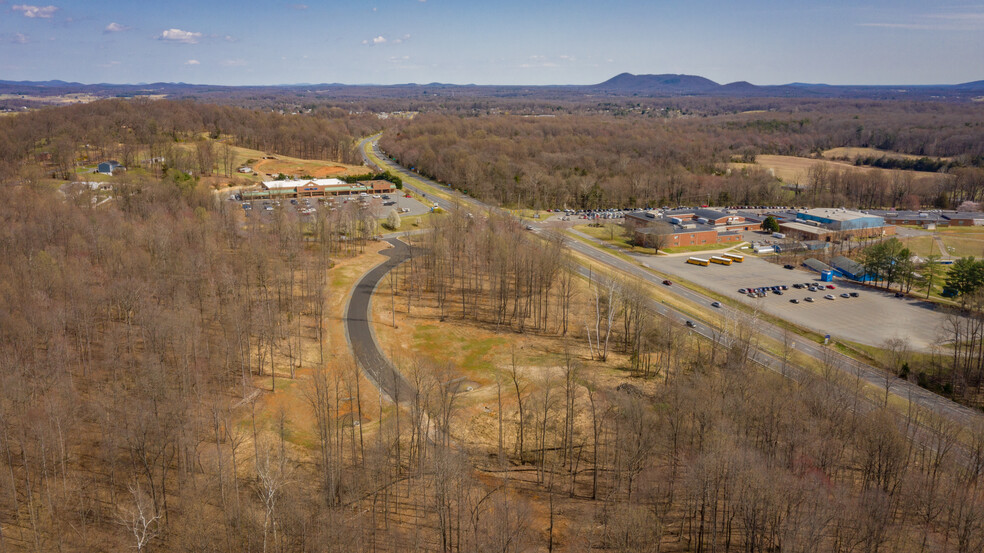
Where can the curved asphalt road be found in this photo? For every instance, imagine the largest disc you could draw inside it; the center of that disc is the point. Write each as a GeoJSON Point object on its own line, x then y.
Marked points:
{"type": "Point", "coordinates": [363, 342]}
{"type": "Point", "coordinates": [847, 365]}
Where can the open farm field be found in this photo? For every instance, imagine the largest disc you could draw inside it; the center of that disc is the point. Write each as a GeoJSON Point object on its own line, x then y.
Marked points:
{"type": "Point", "coordinates": [853, 153]}
{"type": "Point", "coordinates": [61, 100]}
{"type": "Point", "coordinates": [795, 170]}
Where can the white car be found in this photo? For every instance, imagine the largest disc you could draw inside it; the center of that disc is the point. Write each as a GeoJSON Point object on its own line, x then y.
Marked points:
{"type": "Point", "coordinates": [829, 296]}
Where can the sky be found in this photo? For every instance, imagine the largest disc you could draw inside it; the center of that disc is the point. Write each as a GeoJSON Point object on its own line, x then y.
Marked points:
{"type": "Point", "coordinates": [509, 42]}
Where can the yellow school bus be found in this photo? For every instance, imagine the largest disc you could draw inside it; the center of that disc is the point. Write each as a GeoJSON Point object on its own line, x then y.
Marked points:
{"type": "Point", "coordinates": [698, 261]}
{"type": "Point", "coordinates": [721, 260]}
{"type": "Point", "coordinates": [734, 257]}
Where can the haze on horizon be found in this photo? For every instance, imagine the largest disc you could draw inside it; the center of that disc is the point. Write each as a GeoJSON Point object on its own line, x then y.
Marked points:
{"type": "Point", "coordinates": [873, 42]}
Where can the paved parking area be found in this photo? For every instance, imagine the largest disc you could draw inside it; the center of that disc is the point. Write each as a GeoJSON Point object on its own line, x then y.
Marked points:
{"type": "Point", "coordinates": [380, 206]}
{"type": "Point", "coordinates": [871, 318]}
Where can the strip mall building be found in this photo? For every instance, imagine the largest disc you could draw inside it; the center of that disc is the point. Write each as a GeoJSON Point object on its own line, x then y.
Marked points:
{"type": "Point", "coordinates": [317, 188]}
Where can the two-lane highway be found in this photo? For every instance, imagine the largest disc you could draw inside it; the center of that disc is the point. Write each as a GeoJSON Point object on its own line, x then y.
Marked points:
{"type": "Point", "coordinates": [849, 366]}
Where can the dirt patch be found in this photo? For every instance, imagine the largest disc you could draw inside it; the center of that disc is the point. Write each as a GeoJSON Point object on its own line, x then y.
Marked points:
{"type": "Point", "coordinates": [296, 168]}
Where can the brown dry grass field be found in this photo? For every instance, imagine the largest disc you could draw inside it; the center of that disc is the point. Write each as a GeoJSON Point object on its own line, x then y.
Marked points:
{"type": "Point", "coordinates": [852, 153]}
{"type": "Point", "coordinates": [795, 170]}
{"type": "Point", "coordinates": [61, 100]}
{"type": "Point", "coordinates": [290, 398]}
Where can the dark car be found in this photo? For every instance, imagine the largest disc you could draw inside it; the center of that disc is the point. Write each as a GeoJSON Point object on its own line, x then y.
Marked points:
{"type": "Point", "coordinates": [854, 294]}
{"type": "Point", "coordinates": [790, 267]}
{"type": "Point", "coordinates": [794, 300]}
{"type": "Point", "coordinates": [798, 286]}
{"type": "Point", "coordinates": [667, 283]}
{"type": "Point", "coordinates": [690, 324]}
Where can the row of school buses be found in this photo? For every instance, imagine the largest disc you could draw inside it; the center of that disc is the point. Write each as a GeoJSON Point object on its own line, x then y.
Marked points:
{"type": "Point", "coordinates": [723, 259]}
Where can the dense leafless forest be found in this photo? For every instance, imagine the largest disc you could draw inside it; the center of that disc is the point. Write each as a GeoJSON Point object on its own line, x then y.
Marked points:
{"type": "Point", "coordinates": [678, 153]}
{"type": "Point", "coordinates": [123, 129]}
{"type": "Point", "coordinates": [174, 376]}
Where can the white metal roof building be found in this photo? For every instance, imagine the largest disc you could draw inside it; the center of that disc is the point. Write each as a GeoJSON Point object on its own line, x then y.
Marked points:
{"type": "Point", "coordinates": [272, 184]}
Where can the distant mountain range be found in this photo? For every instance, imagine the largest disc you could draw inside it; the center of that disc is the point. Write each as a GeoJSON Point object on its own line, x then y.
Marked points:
{"type": "Point", "coordinates": [619, 86]}
{"type": "Point", "coordinates": [692, 85]}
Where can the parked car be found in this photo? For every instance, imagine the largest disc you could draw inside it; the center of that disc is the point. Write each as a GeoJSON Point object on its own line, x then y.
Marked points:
{"type": "Point", "coordinates": [808, 298]}
{"type": "Point", "coordinates": [716, 304]}
{"type": "Point", "coordinates": [831, 287]}
{"type": "Point", "coordinates": [854, 294]}
{"type": "Point", "coordinates": [845, 295]}
{"type": "Point", "coordinates": [690, 324]}
{"type": "Point", "coordinates": [829, 296]}
{"type": "Point", "coordinates": [790, 267]}
{"type": "Point", "coordinates": [667, 283]}
{"type": "Point", "coordinates": [794, 300]}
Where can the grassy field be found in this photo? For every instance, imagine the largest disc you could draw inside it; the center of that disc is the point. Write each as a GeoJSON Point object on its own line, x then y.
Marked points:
{"type": "Point", "coordinates": [614, 235]}
{"type": "Point", "coordinates": [854, 153]}
{"type": "Point", "coordinates": [698, 248]}
{"type": "Point", "coordinates": [795, 170]}
{"type": "Point", "coordinates": [921, 245]}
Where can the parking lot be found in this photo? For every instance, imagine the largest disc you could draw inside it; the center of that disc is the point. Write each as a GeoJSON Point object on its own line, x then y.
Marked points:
{"type": "Point", "coordinates": [380, 206]}
{"type": "Point", "coordinates": [871, 318]}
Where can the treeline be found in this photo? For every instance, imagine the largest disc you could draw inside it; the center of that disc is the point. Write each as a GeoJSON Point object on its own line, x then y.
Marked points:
{"type": "Point", "coordinates": [593, 160]}
{"type": "Point", "coordinates": [923, 164]}
{"type": "Point", "coordinates": [124, 129]}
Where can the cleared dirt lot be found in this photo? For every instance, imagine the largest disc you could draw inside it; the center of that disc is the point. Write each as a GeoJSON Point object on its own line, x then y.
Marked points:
{"type": "Point", "coordinates": [871, 318]}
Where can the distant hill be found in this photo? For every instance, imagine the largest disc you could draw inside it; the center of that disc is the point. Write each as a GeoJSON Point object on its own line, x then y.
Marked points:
{"type": "Point", "coordinates": [658, 84]}
{"type": "Point", "coordinates": [619, 86]}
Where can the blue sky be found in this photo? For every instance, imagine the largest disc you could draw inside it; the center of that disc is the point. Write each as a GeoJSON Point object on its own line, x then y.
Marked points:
{"type": "Point", "coordinates": [503, 42]}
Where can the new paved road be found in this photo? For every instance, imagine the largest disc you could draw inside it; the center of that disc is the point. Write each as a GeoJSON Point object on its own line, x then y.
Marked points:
{"type": "Point", "coordinates": [359, 332]}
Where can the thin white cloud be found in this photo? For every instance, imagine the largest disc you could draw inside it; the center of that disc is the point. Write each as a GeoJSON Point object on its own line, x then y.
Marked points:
{"type": "Point", "coordinates": [109, 64]}
{"type": "Point", "coordinates": [299, 6]}
{"type": "Point", "coordinates": [375, 41]}
{"type": "Point", "coordinates": [234, 63]}
{"type": "Point", "coordinates": [193, 62]}
{"type": "Point", "coordinates": [177, 35]}
{"type": "Point", "coordinates": [948, 21]}
{"type": "Point", "coordinates": [115, 28]}
{"type": "Point", "coordinates": [401, 39]}
{"type": "Point", "coordinates": [43, 12]}
{"type": "Point", "coordinates": [19, 38]}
